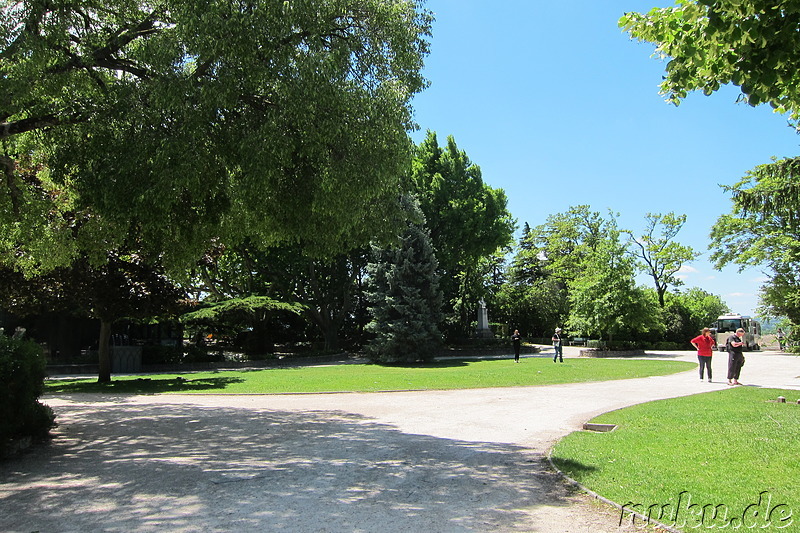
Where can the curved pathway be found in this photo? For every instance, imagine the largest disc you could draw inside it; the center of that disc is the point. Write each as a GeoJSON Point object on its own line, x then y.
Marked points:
{"type": "Point", "coordinates": [468, 460]}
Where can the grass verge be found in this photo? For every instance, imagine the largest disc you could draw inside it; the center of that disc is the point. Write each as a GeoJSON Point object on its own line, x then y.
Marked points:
{"type": "Point", "coordinates": [713, 460]}
{"type": "Point", "coordinates": [452, 374]}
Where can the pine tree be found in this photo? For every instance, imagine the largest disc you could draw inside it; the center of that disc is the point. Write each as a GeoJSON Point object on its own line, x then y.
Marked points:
{"type": "Point", "coordinates": [405, 301]}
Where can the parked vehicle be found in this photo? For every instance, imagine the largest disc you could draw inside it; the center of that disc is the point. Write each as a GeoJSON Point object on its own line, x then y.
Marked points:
{"type": "Point", "coordinates": [726, 325]}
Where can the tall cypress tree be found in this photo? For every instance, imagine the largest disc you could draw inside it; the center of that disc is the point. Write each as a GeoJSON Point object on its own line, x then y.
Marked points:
{"type": "Point", "coordinates": [404, 296]}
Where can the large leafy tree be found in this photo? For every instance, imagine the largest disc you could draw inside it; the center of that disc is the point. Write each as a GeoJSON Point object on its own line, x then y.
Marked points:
{"type": "Point", "coordinates": [687, 312]}
{"type": "Point", "coordinates": [658, 254]}
{"type": "Point", "coordinates": [709, 43]}
{"type": "Point", "coordinates": [468, 222]}
{"type": "Point", "coordinates": [755, 46]}
{"type": "Point", "coordinates": [604, 298]}
{"type": "Point", "coordinates": [531, 299]}
{"type": "Point", "coordinates": [183, 122]}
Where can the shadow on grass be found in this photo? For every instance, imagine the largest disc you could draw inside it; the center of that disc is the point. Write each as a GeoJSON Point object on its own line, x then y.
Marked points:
{"type": "Point", "coordinates": [140, 385]}
{"type": "Point", "coordinates": [572, 468]}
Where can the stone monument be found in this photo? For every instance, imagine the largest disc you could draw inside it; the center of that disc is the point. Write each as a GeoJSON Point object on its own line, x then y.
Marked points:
{"type": "Point", "coordinates": [483, 331]}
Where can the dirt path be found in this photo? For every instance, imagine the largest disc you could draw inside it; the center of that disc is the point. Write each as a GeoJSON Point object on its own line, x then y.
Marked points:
{"type": "Point", "coordinates": [469, 460]}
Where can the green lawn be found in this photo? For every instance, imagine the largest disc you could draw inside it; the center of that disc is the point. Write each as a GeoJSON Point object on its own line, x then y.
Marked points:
{"type": "Point", "coordinates": [735, 451]}
{"type": "Point", "coordinates": [454, 374]}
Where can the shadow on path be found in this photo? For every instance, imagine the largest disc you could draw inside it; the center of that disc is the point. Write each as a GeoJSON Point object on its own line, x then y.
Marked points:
{"type": "Point", "coordinates": [124, 467]}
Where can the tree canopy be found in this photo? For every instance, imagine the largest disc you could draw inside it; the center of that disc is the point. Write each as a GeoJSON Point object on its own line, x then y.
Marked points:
{"type": "Point", "coordinates": [179, 123]}
{"type": "Point", "coordinates": [658, 254]}
{"type": "Point", "coordinates": [756, 46]}
{"type": "Point", "coordinates": [468, 221]}
{"type": "Point", "coordinates": [753, 45]}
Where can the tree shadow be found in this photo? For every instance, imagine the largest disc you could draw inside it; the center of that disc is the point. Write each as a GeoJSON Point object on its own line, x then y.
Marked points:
{"type": "Point", "coordinates": [140, 385]}
{"type": "Point", "coordinates": [572, 468]}
{"type": "Point", "coordinates": [132, 466]}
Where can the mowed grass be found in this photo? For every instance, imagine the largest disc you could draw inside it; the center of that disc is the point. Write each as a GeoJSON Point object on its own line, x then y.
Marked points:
{"type": "Point", "coordinates": [444, 375]}
{"type": "Point", "coordinates": [736, 448]}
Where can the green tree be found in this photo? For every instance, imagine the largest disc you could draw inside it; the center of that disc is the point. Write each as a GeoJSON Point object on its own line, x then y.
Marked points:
{"type": "Point", "coordinates": [658, 254]}
{"type": "Point", "coordinates": [687, 312]}
{"type": "Point", "coordinates": [126, 285]}
{"type": "Point", "coordinates": [185, 123]}
{"type": "Point", "coordinates": [468, 222]}
{"type": "Point", "coordinates": [710, 43]}
{"type": "Point", "coordinates": [566, 240]}
{"type": "Point", "coordinates": [531, 299]}
{"type": "Point", "coordinates": [763, 229]}
{"type": "Point", "coordinates": [325, 289]}
{"type": "Point", "coordinates": [754, 46]}
{"type": "Point", "coordinates": [604, 298]}
{"type": "Point", "coordinates": [404, 297]}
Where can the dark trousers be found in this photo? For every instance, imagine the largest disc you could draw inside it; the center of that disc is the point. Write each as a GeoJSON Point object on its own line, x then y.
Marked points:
{"type": "Point", "coordinates": [735, 363]}
{"type": "Point", "coordinates": [558, 355]}
{"type": "Point", "coordinates": [516, 351]}
{"type": "Point", "coordinates": [705, 362]}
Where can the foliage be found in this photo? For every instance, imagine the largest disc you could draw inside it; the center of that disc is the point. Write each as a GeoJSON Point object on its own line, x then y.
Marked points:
{"type": "Point", "coordinates": [533, 306]}
{"type": "Point", "coordinates": [467, 219]}
{"type": "Point", "coordinates": [237, 307]}
{"type": "Point", "coordinates": [565, 242]}
{"type": "Point", "coordinates": [763, 229]}
{"type": "Point", "coordinates": [658, 254]}
{"type": "Point", "coordinates": [178, 124]}
{"type": "Point", "coordinates": [327, 290]}
{"type": "Point", "coordinates": [753, 45]}
{"type": "Point", "coordinates": [711, 43]}
{"type": "Point", "coordinates": [604, 298]}
{"type": "Point", "coordinates": [404, 298]}
{"type": "Point", "coordinates": [687, 313]}
{"type": "Point", "coordinates": [126, 285]}
{"type": "Point", "coordinates": [22, 373]}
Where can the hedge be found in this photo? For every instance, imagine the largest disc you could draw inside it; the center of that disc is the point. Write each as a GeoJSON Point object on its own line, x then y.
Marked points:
{"type": "Point", "coordinates": [22, 373]}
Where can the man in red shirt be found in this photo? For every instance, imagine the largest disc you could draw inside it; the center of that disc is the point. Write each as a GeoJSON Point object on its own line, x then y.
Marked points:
{"type": "Point", "coordinates": [705, 345]}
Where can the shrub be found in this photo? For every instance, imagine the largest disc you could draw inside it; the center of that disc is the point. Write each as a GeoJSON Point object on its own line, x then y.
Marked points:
{"type": "Point", "coordinates": [22, 373]}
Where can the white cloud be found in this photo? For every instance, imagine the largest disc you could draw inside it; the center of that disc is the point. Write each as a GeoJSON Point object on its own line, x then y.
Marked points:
{"type": "Point", "coordinates": [687, 268]}
{"type": "Point", "coordinates": [760, 279]}
{"type": "Point", "coordinates": [738, 294]}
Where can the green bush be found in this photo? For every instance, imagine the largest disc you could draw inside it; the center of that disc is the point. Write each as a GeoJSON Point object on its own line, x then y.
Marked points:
{"type": "Point", "coordinates": [22, 373]}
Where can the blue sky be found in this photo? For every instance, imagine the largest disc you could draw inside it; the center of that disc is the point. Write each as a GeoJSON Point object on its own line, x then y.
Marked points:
{"type": "Point", "coordinates": [559, 107]}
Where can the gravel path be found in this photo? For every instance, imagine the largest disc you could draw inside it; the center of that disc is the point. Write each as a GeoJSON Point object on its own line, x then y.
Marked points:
{"type": "Point", "coordinates": [449, 461]}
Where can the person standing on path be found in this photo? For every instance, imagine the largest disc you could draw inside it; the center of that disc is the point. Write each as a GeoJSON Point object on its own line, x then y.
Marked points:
{"type": "Point", "coordinates": [735, 356]}
{"type": "Point", "coordinates": [516, 338]}
{"type": "Point", "coordinates": [781, 339]}
{"type": "Point", "coordinates": [705, 345]}
{"type": "Point", "coordinates": [558, 346]}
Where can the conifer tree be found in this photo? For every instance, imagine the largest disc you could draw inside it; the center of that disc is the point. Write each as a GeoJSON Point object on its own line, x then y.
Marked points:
{"type": "Point", "coordinates": [404, 296]}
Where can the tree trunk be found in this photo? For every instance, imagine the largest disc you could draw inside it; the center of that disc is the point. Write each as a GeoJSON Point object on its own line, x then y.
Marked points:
{"type": "Point", "coordinates": [104, 352]}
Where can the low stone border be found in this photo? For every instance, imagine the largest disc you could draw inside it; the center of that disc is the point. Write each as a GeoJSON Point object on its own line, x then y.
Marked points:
{"type": "Point", "coordinates": [595, 352]}
{"type": "Point", "coordinates": [645, 519]}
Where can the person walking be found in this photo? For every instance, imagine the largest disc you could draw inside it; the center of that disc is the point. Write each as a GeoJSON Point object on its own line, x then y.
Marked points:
{"type": "Point", "coordinates": [558, 346]}
{"type": "Point", "coordinates": [516, 338]}
{"type": "Point", "coordinates": [781, 339]}
{"type": "Point", "coordinates": [734, 345]}
{"type": "Point", "coordinates": [705, 345]}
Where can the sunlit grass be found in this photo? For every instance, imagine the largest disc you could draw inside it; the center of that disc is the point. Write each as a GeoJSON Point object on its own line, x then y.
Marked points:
{"type": "Point", "coordinates": [720, 448]}
{"type": "Point", "coordinates": [453, 374]}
